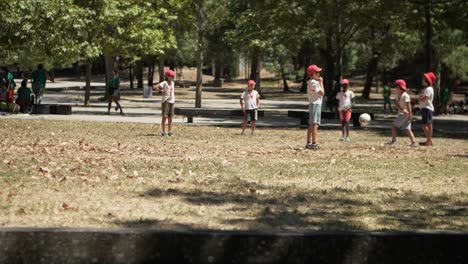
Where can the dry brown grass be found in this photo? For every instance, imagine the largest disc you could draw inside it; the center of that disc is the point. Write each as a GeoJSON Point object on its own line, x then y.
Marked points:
{"type": "Point", "coordinates": [84, 174]}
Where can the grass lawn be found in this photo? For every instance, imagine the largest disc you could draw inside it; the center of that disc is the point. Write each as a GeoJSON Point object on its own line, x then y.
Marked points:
{"type": "Point", "coordinates": [88, 174]}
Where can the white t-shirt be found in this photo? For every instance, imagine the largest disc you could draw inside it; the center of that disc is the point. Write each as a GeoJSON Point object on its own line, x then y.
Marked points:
{"type": "Point", "coordinates": [429, 92]}
{"type": "Point", "coordinates": [345, 100]}
{"type": "Point", "coordinates": [313, 89]}
{"type": "Point", "coordinates": [250, 99]}
{"type": "Point", "coordinates": [403, 100]}
{"type": "Point", "coordinates": [167, 92]}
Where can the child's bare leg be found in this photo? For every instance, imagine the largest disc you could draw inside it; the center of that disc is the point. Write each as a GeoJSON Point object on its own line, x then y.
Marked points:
{"type": "Point", "coordinates": [244, 124]}
{"type": "Point", "coordinates": [394, 133]}
{"type": "Point", "coordinates": [252, 125]}
{"type": "Point", "coordinates": [163, 123]}
{"type": "Point", "coordinates": [424, 128]}
{"type": "Point", "coordinates": [118, 105]}
{"type": "Point", "coordinates": [343, 128]}
{"type": "Point", "coordinates": [309, 133]}
{"type": "Point", "coordinates": [169, 123]}
{"type": "Point", "coordinates": [410, 135]}
{"type": "Point", "coordinates": [429, 134]}
{"type": "Point", "coordinates": [109, 103]}
{"type": "Point", "coordinates": [314, 133]}
{"type": "Point", "coordinates": [347, 128]}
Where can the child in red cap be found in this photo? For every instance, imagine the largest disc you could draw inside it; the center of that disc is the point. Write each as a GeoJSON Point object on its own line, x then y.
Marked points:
{"type": "Point", "coordinates": [427, 108]}
{"type": "Point", "coordinates": [250, 102]}
{"type": "Point", "coordinates": [166, 88]}
{"type": "Point", "coordinates": [346, 102]}
{"type": "Point", "coordinates": [405, 115]}
{"type": "Point", "coordinates": [314, 93]}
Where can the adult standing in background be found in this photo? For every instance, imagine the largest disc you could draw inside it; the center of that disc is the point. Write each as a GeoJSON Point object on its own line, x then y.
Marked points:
{"type": "Point", "coordinates": [39, 79]}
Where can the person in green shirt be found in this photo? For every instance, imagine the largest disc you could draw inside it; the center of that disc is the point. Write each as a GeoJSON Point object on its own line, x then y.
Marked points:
{"type": "Point", "coordinates": [114, 92]}
{"type": "Point", "coordinates": [445, 99]}
{"type": "Point", "coordinates": [24, 97]}
{"type": "Point", "coordinates": [386, 95]}
{"type": "Point", "coordinates": [10, 84]}
{"type": "Point", "coordinates": [39, 79]}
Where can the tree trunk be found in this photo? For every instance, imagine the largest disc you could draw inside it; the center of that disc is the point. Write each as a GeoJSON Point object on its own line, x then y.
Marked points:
{"type": "Point", "coordinates": [329, 65]}
{"type": "Point", "coordinates": [218, 70]}
{"type": "Point", "coordinates": [161, 69]}
{"type": "Point", "coordinates": [304, 81]}
{"type": "Point", "coordinates": [139, 74]}
{"type": "Point", "coordinates": [151, 74]}
{"type": "Point", "coordinates": [130, 76]}
{"type": "Point", "coordinates": [428, 35]}
{"type": "Point", "coordinates": [109, 61]}
{"type": "Point", "coordinates": [200, 49]}
{"type": "Point", "coordinates": [255, 71]}
{"type": "Point", "coordinates": [437, 102]}
{"type": "Point", "coordinates": [52, 75]}
{"type": "Point", "coordinates": [285, 80]}
{"type": "Point", "coordinates": [370, 74]}
{"type": "Point", "coordinates": [89, 65]}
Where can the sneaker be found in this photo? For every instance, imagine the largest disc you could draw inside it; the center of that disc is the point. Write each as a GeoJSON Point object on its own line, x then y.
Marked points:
{"type": "Point", "coordinates": [122, 114]}
{"type": "Point", "coordinates": [252, 134]}
{"type": "Point", "coordinates": [413, 145]}
{"type": "Point", "coordinates": [342, 139]}
{"type": "Point", "coordinates": [311, 146]}
{"type": "Point", "coordinates": [242, 134]}
{"type": "Point", "coordinates": [346, 139]}
{"type": "Point", "coordinates": [391, 143]}
{"type": "Point", "coordinates": [163, 134]}
{"type": "Point", "coordinates": [422, 143]}
{"type": "Point", "coordinates": [171, 134]}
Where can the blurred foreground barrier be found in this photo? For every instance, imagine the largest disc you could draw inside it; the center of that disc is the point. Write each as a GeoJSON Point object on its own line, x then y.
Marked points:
{"type": "Point", "coordinates": [18, 245]}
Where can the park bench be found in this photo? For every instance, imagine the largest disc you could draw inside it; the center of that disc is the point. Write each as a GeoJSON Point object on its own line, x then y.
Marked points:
{"type": "Point", "coordinates": [53, 109]}
{"type": "Point", "coordinates": [304, 116]}
{"type": "Point", "coordinates": [191, 112]}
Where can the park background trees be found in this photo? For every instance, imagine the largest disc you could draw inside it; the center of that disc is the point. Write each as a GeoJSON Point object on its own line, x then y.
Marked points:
{"type": "Point", "coordinates": [373, 38]}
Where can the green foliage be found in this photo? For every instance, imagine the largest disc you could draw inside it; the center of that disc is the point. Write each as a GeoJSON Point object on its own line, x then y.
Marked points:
{"type": "Point", "coordinates": [457, 61]}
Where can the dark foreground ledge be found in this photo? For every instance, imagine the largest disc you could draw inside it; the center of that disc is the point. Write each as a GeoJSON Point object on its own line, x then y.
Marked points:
{"type": "Point", "coordinates": [27, 245]}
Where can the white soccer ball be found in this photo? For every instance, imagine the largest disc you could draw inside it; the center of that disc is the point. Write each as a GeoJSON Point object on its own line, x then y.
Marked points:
{"type": "Point", "coordinates": [364, 119]}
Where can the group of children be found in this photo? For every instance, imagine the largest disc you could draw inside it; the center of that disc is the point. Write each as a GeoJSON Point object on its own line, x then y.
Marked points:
{"type": "Point", "coordinates": [403, 120]}
{"type": "Point", "coordinates": [250, 102]}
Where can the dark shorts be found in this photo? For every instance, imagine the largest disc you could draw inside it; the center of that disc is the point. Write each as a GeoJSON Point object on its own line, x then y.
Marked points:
{"type": "Point", "coordinates": [426, 116]}
{"type": "Point", "coordinates": [386, 99]}
{"type": "Point", "coordinates": [167, 109]}
{"type": "Point", "coordinates": [252, 113]}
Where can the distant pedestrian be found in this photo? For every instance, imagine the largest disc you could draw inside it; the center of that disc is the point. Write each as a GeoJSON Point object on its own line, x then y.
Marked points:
{"type": "Point", "coordinates": [345, 104]}
{"type": "Point", "coordinates": [250, 102]}
{"type": "Point", "coordinates": [9, 84]}
{"type": "Point", "coordinates": [315, 94]}
{"type": "Point", "coordinates": [405, 114]}
{"type": "Point", "coordinates": [427, 108]}
{"type": "Point", "coordinates": [39, 79]}
{"type": "Point", "coordinates": [114, 93]}
{"type": "Point", "coordinates": [387, 92]}
{"type": "Point", "coordinates": [166, 88]}
{"type": "Point", "coordinates": [445, 98]}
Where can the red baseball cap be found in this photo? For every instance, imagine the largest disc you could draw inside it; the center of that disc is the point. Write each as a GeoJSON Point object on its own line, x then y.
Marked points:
{"type": "Point", "coordinates": [345, 81]}
{"type": "Point", "coordinates": [250, 82]}
{"type": "Point", "coordinates": [401, 83]}
{"type": "Point", "coordinates": [313, 68]}
{"type": "Point", "coordinates": [430, 77]}
{"type": "Point", "coordinates": [169, 73]}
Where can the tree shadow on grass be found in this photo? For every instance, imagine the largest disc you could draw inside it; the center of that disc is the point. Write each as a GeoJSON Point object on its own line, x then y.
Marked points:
{"type": "Point", "coordinates": [283, 209]}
